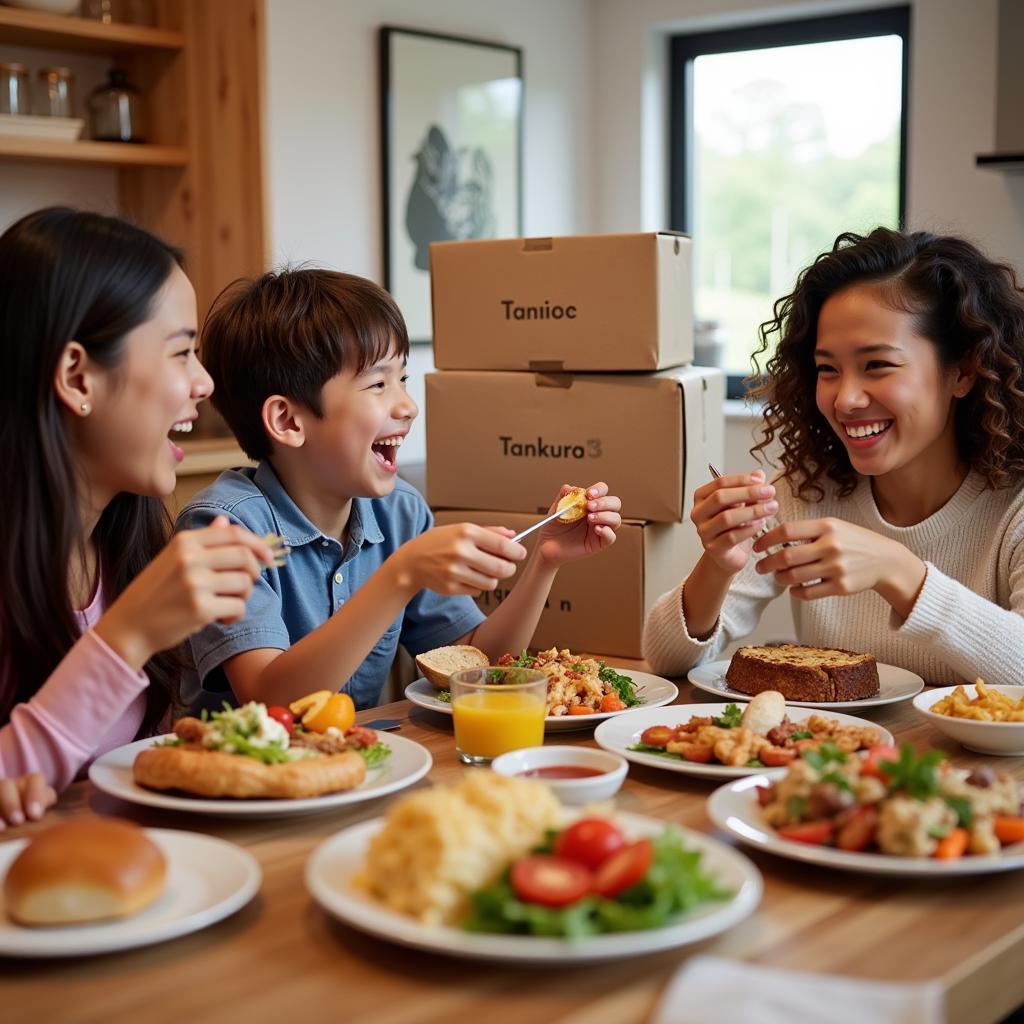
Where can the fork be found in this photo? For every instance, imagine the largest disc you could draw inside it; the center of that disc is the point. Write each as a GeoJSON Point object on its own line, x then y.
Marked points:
{"type": "Point", "coordinates": [769, 524]}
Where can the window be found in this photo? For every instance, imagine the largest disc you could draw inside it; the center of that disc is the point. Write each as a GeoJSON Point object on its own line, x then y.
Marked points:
{"type": "Point", "coordinates": [783, 136]}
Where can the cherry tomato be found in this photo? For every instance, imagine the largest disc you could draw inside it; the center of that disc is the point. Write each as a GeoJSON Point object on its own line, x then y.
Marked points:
{"type": "Point", "coordinates": [580, 709]}
{"type": "Point", "coordinates": [550, 881]}
{"type": "Point", "coordinates": [776, 757]}
{"type": "Point", "coordinates": [612, 702]}
{"type": "Point", "coordinates": [881, 753]}
{"type": "Point", "coordinates": [624, 869]}
{"type": "Point", "coordinates": [858, 831]}
{"type": "Point", "coordinates": [590, 842]}
{"type": "Point", "coordinates": [700, 753]}
{"type": "Point", "coordinates": [657, 736]}
{"type": "Point", "coordinates": [816, 833]}
{"type": "Point", "coordinates": [284, 716]}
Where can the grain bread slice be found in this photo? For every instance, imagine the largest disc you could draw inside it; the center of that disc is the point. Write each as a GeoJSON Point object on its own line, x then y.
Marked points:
{"type": "Point", "coordinates": [437, 665]}
{"type": "Point", "coordinates": [820, 674]}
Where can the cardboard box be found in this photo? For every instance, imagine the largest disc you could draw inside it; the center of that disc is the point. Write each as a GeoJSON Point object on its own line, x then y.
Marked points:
{"type": "Point", "coordinates": [599, 604]}
{"type": "Point", "coordinates": [590, 302]}
{"type": "Point", "coordinates": [510, 440]}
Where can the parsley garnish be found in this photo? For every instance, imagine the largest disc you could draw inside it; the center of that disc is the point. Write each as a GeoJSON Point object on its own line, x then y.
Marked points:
{"type": "Point", "coordinates": [623, 685]}
{"type": "Point", "coordinates": [730, 718]}
{"type": "Point", "coordinates": [803, 734]}
{"type": "Point", "coordinates": [915, 776]}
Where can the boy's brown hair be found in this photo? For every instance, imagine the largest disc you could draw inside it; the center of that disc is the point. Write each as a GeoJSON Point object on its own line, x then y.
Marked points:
{"type": "Point", "coordinates": [288, 333]}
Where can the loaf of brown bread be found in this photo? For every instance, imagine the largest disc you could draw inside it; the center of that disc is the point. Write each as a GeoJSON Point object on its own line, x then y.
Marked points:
{"type": "Point", "coordinates": [818, 674]}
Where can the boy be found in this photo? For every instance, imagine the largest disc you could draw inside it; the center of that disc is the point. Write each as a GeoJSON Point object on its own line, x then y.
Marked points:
{"type": "Point", "coordinates": [309, 368]}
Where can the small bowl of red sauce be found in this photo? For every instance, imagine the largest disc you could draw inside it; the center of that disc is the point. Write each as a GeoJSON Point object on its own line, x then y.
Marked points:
{"type": "Point", "coordinates": [576, 775]}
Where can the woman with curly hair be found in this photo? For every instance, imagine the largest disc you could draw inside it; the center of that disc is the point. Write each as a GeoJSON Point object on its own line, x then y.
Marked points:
{"type": "Point", "coordinates": [896, 524]}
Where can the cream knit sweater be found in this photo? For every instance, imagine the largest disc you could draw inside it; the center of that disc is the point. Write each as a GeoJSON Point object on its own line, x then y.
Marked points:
{"type": "Point", "coordinates": [968, 620]}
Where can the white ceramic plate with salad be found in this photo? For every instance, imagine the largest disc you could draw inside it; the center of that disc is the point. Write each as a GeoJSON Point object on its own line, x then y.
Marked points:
{"type": "Point", "coordinates": [895, 684]}
{"type": "Point", "coordinates": [332, 869]}
{"type": "Point", "coordinates": [620, 735]}
{"type": "Point", "coordinates": [406, 764]}
{"type": "Point", "coordinates": [653, 692]}
{"type": "Point", "coordinates": [208, 879]}
{"type": "Point", "coordinates": [734, 809]}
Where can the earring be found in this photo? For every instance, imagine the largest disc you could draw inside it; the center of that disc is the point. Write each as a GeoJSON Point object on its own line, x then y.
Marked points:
{"type": "Point", "coordinates": [85, 408]}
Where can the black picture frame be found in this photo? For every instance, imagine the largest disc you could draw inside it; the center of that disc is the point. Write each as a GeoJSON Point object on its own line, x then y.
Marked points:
{"type": "Point", "coordinates": [451, 124]}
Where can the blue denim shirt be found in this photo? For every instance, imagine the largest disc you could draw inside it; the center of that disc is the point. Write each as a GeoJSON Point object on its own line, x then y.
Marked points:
{"type": "Point", "coordinates": [318, 578]}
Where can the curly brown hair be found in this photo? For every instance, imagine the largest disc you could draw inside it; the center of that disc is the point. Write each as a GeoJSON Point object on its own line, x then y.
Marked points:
{"type": "Point", "coordinates": [969, 307]}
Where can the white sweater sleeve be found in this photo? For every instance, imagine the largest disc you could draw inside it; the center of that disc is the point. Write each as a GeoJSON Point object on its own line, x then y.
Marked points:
{"type": "Point", "coordinates": [667, 645]}
{"type": "Point", "coordinates": [974, 636]}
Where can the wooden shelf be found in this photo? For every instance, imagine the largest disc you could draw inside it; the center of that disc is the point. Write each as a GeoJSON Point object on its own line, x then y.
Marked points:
{"type": "Point", "coordinates": [1009, 163]}
{"type": "Point", "coordinates": [100, 154]}
{"type": "Point", "coordinates": [61, 32]}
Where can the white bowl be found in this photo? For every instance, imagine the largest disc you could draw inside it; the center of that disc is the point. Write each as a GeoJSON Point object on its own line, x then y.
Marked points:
{"type": "Point", "coordinates": [1004, 738]}
{"type": "Point", "coordinates": [589, 789]}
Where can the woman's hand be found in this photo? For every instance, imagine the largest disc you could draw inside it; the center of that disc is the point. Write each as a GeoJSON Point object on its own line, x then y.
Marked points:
{"type": "Point", "coordinates": [564, 542]}
{"type": "Point", "coordinates": [201, 576]}
{"type": "Point", "coordinates": [728, 513]}
{"type": "Point", "coordinates": [24, 799]}
{"type": "Point", "coordinates": [459, 559]}
{"type": "Point", "coordinates": [831, 557]}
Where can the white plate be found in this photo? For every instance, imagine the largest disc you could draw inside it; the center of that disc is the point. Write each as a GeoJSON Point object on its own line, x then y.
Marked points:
{"type": "Point", "coordinates": [654, 691]}
{"type": "Point", "coordinates": [895, 684]}
{"type": "Point", "coordinates": [618, 736]}
{"type": "Point", "coordinates": [207, 880]}
{"type": "Point", "coordinates": [29, 126]}
{"type": "Point", "coordinates": [408, 763]}
{"type": "Point", "coordinates": [734, 809]}
{"type": "Point", "coordinates": [330, 871]}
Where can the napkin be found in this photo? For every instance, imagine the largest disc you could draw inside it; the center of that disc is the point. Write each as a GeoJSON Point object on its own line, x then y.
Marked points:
{"type": "Point", "coordinates": [710, 989]}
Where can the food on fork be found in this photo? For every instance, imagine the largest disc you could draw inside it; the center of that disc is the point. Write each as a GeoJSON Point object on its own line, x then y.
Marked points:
{"type": "Point", "coordinates": [818, 674]}
{"type": "Point", "coordinates": [438, 665]}
{"type": "Point", "coordinates": [93, 869]}
{"type": "Point", "coordinates": [573, 505]}
{"type": "Point", "coordinates": [761, 736]}
{"type": "Point", "coordinates": [246, 753]}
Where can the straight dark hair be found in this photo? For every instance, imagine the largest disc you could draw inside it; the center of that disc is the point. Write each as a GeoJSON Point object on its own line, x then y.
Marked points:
{"type": "Point", "coordinates": [288, 333]}
{"type": "Point", "coordinates": [67, 275]}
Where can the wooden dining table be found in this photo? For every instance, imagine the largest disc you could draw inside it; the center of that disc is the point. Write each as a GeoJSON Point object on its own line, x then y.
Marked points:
{"type": "Point", "coordinates": [283, 959]}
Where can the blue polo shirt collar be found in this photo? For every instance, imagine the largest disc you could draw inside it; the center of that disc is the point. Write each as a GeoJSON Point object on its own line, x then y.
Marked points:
{"type": "Point", "coordinates": [293, 523]}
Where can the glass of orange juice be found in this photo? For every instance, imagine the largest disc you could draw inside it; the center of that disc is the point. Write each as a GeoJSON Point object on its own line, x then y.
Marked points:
{"type": "Point", "coordinates": [497, 710]}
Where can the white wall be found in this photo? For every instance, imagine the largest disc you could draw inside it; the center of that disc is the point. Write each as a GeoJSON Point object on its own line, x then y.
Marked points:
{"type": "Point", "coordinates": [323, 139]}
{"type": "Point", "coordinates": [951, 104]}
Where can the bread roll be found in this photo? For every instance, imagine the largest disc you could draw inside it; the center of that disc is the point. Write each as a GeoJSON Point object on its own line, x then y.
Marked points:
{"type": "Point", "coordinates": [764, 712]}
{"type": "Point", "coordinates": [573, 506]}
{"type": "Point", "coordinates": [437, 665]}
{"type": "Point", "coordinates": [88, 870]}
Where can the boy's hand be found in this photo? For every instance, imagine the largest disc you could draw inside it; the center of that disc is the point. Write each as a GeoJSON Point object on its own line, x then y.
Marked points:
{"type": "Point", "coordinates": [563, 542]}
{"type": "Point", "coordinates": [458, 559]}
{"type": "Point", "coordinates": [201, 576]}
{"type": "Point", "coordinates": [24, 799]}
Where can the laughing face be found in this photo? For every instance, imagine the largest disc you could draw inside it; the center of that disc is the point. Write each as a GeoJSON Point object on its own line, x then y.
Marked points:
{"type": "Point", "coordinates": [881, 386]}
{"type": "Point", "coordinates": [352, 450]}
{"type": "Point", "coordinates": [125, 441]}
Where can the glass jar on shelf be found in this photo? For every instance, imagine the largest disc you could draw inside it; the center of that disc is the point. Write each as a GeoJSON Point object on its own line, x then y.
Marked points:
{"type": "Point", "coordinates": [55, 97]}
{"type": "Point", "coordinates": [115, 111]}
{"type": "Point", "coordinates": [14, 95]}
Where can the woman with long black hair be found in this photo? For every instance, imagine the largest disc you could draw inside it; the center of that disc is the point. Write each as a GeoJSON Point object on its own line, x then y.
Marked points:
{"type": "Point", "coordinates": [97, 334]}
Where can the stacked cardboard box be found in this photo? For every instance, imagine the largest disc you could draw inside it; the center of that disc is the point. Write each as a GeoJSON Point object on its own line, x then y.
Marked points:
{"type": "Point", "coordinates": [564, 360]}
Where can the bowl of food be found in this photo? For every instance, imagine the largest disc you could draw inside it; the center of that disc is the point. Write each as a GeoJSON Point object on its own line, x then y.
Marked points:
{"type": "Point", "coordinates": [576, 775]}
{"type": "Point", "coordinates": [990, 722]}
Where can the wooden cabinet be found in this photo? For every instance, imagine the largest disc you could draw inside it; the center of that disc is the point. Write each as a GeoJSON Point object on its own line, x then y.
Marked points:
{"type": "Point", "coordinates": [198, 180]}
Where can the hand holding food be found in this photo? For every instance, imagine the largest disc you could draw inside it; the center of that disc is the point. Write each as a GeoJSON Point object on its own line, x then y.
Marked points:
{"type": "Point", "coordinates": [587, 525]}
{"type": "Point", "coordinates": [24, 799]}
{"type": "Point", "coordinates": [91, 869]}
{"type": "Point", "coordinates": [199, 577]}
{"type": "Point", "coordinates": [728, 513]}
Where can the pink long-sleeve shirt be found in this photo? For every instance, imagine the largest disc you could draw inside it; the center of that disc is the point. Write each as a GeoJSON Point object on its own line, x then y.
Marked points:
{"type": "Point", "coordinates": [92, 703]}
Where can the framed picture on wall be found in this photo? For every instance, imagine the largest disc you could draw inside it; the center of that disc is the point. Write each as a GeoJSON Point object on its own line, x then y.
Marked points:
{"type": "Point", "coordinates": [452, 153]}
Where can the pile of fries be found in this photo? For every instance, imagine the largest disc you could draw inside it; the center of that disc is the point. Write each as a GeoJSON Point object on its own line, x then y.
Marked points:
{"type": "Point", "coordinates": [988, 706]}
